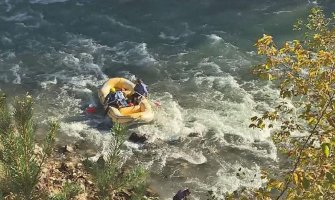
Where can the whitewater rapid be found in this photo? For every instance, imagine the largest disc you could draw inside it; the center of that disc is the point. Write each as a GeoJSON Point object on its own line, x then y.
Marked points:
{"type": "Point", "coordinates": [195, 57]}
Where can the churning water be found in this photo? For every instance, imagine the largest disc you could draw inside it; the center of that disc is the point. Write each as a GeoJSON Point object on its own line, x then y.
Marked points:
{"type": "Point", "coordinates": [196, 57]}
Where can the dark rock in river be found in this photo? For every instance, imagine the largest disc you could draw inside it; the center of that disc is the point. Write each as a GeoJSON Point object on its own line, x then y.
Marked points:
{"type": "Point", "coordinates": [194, 134]}
{"type": "Point", "coordinates": [136, 138]}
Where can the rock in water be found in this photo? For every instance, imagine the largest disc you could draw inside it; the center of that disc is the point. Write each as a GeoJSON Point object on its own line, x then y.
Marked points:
{"type": "Point", "coordinates": [66, 149]}
{"type": "Point", "coordinates": [136, 138]}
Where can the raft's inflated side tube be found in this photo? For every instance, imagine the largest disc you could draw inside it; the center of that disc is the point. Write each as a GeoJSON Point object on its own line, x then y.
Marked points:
{"type": "Point", "coordinates": [139, 113]}
{"type": "Point", "coordinates": [142, 113]}
{"type": "Point", "coordinates": [116, 83]}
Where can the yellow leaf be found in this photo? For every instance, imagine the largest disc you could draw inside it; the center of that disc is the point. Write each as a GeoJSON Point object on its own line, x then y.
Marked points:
{"type": "Point", "coordinates": [295, 178]}
{"type": "Point", "coordinates": [316, 36]}
{"type": "Point", "coordinates": [326, 149]}
{"type": "Point", "coordinates": [267, 66]}
{"type": "Point", "coordinates": [311, 120]}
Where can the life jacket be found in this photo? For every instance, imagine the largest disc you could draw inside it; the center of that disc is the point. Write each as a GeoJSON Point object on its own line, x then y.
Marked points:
{"type": "Point", "coordinates": [110, 98]}
{"type": "Point", "coordinates": [120, 98]}
{"type": "Point", "coordinates": [141, 89]}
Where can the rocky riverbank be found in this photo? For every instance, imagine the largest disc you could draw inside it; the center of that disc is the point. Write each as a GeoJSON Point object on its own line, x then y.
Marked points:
{"type": "Point", "coordinates": [65, 166]}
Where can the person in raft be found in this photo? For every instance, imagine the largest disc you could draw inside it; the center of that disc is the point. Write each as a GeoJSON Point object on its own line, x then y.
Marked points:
{"type": "Point", "coordinates": [110, 99]}
{"type": "Point", "coordinates": [115, 99]}
{"type": "Point", "coordinates": [120, 99]}
{"type": "Point", "coordinates": [182, 194]}
{"type": "Point", "coordinates": [140, 90]}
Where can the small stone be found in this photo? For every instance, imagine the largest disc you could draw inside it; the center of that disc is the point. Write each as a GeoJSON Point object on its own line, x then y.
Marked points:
{"type": "Point", "coordinates": [149, 192]}
{"type": "Point", "coordinates": [66, 149]}
{"type": "Point", "coordinates": [38, 150]}
{"type": "Point", "coordinates": [69, 148]}
{"type": "Point", "coordinates": [45, 170]}
{"type": "Point", "coordinates": [126, 192]}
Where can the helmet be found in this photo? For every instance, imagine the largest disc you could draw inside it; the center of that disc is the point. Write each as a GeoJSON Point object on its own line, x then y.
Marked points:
{"type": "Point", "coordinates": [112, 89]}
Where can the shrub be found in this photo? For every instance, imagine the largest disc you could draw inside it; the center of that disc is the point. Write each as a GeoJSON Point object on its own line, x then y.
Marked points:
{"type": "Point", "coordinates": [21, 165]}
{"type": "Point", "coordinates": [69, 191]}
{"type": "Point", "coordinates": [107, 173]}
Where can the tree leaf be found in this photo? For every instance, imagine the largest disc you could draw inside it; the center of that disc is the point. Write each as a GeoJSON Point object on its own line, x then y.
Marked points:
{"type": "Point", "coordinates": [305, 183]}
{"type": "Point", "coordinates": [295, 178]}
{"type": "Point", "coordinates": [326, 149]}
{"type": "Point", "coordinates": [330, 177]}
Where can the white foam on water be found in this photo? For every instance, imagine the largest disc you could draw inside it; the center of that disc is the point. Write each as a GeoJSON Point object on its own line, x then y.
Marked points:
{"type": "Point", "coordinates": [234, 109]}
{"type": "Point", "coordinates": [47, 83]}
{"type": "Point", "coordinates": [81, 130]}
{"type": "Point", "coordinates": [46, 1]}
{"type": "Point", "coordinates": [81, 44]}
{"type": "Point", "coordinates": [73, 129]}
{"type": "Point", "coordinates": [228, 180]}
{"type": "Point", "coordinates": [70, 60]}
{"type": "Point", "coordinates": [313, 2]}
{"type": "Point", "coordinates": [282, 12]}
{"type": "Point", "coordinates": [19, 17]}
{"type": "Point", "coordinates": [215, 38]}
{"type": "Point", "coordinates": [9, 6]}
{"type": "Point", "coordinates": [191, 156]}
{"type": "Point", "coordinates": [132, 53]}
{"type": "Point", "coordinates": [5, 40]}
{"type": "Point", "coordinates": [227, 87]}
{"type": "Point", "coordinates": [116, 22]}
{"type": "Point", "coordinates": [164, 36]}
{"type": "Point", "coordinates": [15, 69]}
{"type": "Point", "coordinates": [169, 121]}
{"type": "Point", "coordinates": [209, 69]}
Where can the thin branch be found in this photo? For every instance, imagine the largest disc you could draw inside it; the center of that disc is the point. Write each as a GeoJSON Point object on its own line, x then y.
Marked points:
{"type": "Point", "coordinates": [304, 146]}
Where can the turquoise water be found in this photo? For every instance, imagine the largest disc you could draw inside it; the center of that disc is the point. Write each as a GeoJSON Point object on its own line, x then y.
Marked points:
{"type": "Point", "coordinates": [196, 58]}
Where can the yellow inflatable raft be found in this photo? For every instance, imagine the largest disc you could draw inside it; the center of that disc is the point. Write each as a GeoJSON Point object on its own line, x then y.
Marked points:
{"type": "Point", "coordinates": [141, 113]}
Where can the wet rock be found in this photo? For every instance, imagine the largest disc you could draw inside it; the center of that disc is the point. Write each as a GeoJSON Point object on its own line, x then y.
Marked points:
{"type": "Point", "coordinates": [66, 149]}
{"type": "Point", "coordinates": [101, 161]}
{"type": "Point", "coordinates": [174, 141]}
{"type": "Point", "coordinates": [194, 134]}
{"type": "Point", "coordinates": [134, 137]}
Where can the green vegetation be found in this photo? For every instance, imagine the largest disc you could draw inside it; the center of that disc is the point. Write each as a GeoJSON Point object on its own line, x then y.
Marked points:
{"type": "Point", "coordinates": [108, 174]}
{"type": "Point", "coordinates": [69, 191]}
{"type": "Point", "coordinates": [21, 165]}
{"type": "Point", "coordinates": [21, 160]}
{"type": "Point", "coordinates": [305, 73]}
